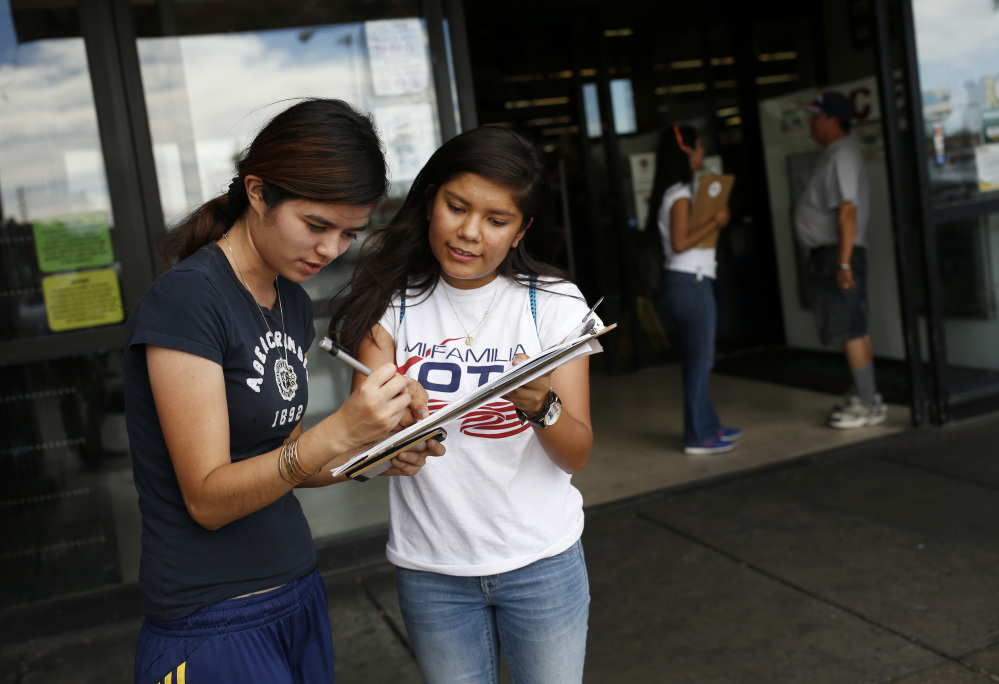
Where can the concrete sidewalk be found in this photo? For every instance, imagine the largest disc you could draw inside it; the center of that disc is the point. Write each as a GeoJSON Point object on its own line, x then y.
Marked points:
{"type": "Point", "coordinates": [876, 562]}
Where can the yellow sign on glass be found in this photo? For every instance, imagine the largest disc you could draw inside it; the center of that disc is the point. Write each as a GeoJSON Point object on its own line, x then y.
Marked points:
{"type": "Point", "coordinates": [75, 241]}
{"type": "Point", "coordinates": [82, 300]}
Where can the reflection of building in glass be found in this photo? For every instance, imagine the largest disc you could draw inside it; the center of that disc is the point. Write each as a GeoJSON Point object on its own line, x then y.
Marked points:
{"type": "Point", "coordinates": [937, 104]}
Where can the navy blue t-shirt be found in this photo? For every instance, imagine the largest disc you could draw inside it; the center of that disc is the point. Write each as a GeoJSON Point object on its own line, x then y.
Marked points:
{"type": "Point", "coordinates": [200, 307]}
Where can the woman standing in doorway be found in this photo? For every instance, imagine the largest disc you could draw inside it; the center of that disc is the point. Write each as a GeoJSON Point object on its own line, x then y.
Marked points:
{"type": "Point", "coordinates": [216, 384]}
{"type": "Point", "coordinates": [688, 296]}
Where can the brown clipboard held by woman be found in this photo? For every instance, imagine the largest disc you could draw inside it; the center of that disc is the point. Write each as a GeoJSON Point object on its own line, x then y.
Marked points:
{"type": "Point", "coordinates": [712, 196]}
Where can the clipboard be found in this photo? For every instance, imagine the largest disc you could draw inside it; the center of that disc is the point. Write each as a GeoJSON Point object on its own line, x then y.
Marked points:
{"type": "Point", "coordinates": [380, 461]}
{"type": "Point", "coordinates": [507, 381]}
{"type": "Point", "coordinates": [712, 196]}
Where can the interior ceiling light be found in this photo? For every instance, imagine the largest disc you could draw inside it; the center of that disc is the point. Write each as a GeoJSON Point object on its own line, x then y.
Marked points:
{"type": "Point", "coordinates": [734, 121]}
{"type": "Point", "coordinates": [548, 121]}
{"type": "Point", "coordinates": [686, 64]}
{"type": "Point", "coordinates": [777, 78]}
{"type": "Point", "coordinates": [721, 61]}
{"type": "Point", "coordinates": [617, 33]}
{"type": "Point", "coordinates": [687, 88]}
{"type": "Point", "coordinates": [728, 111]}
{"type": "Point", "coordinates": [540, 102]}
{"type": "Point", "coordinates": [778, 56]}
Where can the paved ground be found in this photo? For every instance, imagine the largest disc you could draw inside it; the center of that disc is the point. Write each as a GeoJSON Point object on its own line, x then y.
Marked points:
{"type": "Point", "coordinates": [878, 562]}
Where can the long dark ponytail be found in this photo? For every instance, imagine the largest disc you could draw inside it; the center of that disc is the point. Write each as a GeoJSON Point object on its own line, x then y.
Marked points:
{"type": "Point", "coordinates": [317, 149]}
{"type": "Point", "coordinates": [672, 167]}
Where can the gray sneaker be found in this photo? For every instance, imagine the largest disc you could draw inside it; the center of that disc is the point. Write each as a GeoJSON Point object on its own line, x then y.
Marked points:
{"type": "Point", "coordinates": [858, 413]}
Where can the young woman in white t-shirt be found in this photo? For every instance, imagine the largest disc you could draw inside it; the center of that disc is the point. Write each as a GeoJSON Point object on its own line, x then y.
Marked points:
{"type": "Point", "coordinates": [486, 542]}
{"type": "Point", "coordinates": [687, 302]}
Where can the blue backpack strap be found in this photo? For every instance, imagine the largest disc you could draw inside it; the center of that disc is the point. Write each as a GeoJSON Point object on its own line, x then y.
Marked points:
{"type": "Point", "coordinates": [534, 302]}
{"type": "Point", "coordinates": [402, 307]}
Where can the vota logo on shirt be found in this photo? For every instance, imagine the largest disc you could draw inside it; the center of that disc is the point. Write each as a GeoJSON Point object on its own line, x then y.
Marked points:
{"type": "Point", "coordinates": [442, 370]}
{"type": "Point", "coordinates": [495, 420]}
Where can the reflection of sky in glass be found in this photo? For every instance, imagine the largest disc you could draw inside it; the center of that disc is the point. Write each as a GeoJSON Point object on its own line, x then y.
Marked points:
{"type": "Point", "coordinates": [207, 96]}
{"type": "Point", "coordinates": [50, 154]}
{"type": "Point", "coordinates": [958, 47]}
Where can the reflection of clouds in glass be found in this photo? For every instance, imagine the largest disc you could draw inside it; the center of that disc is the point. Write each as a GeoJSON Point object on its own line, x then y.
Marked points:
{"type": "Point", "coordinates": [47, 108]}
{"type": "Point", "coordinates": [958, 46]}
{"type": "Point", "coordinates": [410, 136]}
{"type": "Point", "coordinates": [207, 96]}
{"type": "Point", "coordinates": [957, 30]}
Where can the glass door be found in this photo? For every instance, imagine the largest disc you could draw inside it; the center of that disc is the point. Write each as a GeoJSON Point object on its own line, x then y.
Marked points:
{"type": "Point", "coordinates": [117, 117]}
{"type": "Point", "coordinates": [958, 110]}
{"type": "Point", "coordinates": [209, 85]}
{"type": "Point", "coordinates": [64, 288]}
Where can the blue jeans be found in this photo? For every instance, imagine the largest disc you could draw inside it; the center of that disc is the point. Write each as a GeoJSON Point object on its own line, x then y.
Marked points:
{"type": "Point", "coordinates": [537, 615]}
{"type": "Point", "coordinates": [690, 315]}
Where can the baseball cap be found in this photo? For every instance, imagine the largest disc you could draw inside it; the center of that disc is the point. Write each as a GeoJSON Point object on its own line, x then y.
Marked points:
{"type": "Point", "coordinates": [830, 103]}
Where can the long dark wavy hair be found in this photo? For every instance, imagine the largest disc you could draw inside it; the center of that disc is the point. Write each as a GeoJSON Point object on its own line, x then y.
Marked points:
{"type": "Point", "coordinates": [672, 167]}
{"type": "Point", "coordinates": [398, 256]}
{"type": "Point", "coordinates": [317, 149]}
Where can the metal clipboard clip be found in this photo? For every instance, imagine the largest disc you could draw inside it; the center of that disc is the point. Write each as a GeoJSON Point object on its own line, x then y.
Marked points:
{"type": "Point", "coordinates": [591, 324]}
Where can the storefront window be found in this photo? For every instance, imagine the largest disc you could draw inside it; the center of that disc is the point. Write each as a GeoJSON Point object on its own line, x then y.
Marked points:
{"type": "Point", "coordinates": [958, 55]}
{"type": "Point", "coordinates": [209, 88]}
{"type": "Point", "coordinates": [66, 502]}
{"type": "Point", "coordinates": [58, 268]}
{"type": "Point", "coordinates": [968, 256]}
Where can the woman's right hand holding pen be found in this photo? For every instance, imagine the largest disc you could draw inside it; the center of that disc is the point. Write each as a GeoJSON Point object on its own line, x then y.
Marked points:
{"type": "Point", "coordinates": [377, 406]}
{"type": "Point", "coordinates": [373, 410]}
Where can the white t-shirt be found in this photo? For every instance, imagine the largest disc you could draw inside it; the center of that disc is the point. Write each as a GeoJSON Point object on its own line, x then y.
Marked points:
{"type": "Point", "coordinates": [494, 502]}
{"type": "Point", "coordinates": [840, 175]}
{"type": "Point", "coordinates": [695, 259]}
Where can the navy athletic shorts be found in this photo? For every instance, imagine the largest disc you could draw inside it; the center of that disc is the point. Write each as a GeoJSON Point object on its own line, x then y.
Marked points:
{"type": "Point", "coordinates": [840, 315]}
{"type": "Point", "coordinates": [281, 636]}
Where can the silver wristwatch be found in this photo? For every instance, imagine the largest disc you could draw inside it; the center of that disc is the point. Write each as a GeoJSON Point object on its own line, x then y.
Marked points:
{"type": "Point", "coordinates": [547, 416]}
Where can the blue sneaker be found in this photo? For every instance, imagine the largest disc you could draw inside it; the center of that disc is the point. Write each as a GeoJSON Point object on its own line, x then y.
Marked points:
{"type": "Point", "coordinates": [729, 434]}
{"type": "Point", "coordinates": [709, 446]}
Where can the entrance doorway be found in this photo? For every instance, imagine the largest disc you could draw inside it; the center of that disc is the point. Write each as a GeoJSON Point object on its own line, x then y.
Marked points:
{"type": "Point", "coordinates": [595, 88]}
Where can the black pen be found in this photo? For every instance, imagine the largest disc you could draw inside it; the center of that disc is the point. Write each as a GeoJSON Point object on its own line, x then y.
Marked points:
{"type": "Point", "coordinates": [339, 352]}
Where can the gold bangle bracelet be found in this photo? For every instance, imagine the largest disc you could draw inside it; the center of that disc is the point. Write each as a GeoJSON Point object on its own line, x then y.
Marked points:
{"type": "Point", "coordinates": [289, 467]}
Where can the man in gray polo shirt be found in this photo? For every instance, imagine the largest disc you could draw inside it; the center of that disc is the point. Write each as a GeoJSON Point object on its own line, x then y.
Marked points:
{"type": "Point", "coordinates": [830, 221]}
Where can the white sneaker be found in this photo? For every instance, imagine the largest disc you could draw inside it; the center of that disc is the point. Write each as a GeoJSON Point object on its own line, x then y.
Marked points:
{"type": "Point", "coordinates": [858, 413]}
{"type": "Point", "coordinates": [850, 399]}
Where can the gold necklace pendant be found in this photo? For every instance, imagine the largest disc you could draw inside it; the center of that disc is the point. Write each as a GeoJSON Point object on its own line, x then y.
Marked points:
{"type": "Point", "coordinates": [283, 367]}
{"type": "Point", "coordinates": [469, 340]}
